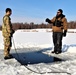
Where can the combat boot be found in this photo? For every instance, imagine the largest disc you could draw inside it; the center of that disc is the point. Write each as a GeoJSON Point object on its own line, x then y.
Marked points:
{"type": "Point", "coordinates": [8, 57]}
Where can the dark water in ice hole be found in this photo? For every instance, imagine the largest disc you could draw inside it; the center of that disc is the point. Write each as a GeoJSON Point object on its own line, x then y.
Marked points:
{"type": "Point", "coordinates": [26, 58]}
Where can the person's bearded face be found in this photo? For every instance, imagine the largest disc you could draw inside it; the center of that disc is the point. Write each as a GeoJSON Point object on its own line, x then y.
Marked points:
{"type": "Point", "coordinates": [58, 13]}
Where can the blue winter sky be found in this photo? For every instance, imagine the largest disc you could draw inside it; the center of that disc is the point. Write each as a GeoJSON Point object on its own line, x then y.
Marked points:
{"type": "Point", "coordinates": [37, 10]}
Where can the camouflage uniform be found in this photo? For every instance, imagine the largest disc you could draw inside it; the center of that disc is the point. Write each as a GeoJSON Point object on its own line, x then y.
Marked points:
{"type": "Point", "coordinates": [6, 31]}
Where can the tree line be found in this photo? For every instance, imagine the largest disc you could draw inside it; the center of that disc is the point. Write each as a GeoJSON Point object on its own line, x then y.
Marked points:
{"type": "Point", "coordinates": [16, 26]}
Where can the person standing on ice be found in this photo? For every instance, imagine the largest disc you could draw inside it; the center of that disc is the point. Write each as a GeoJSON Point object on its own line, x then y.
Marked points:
{"type": "Point", "coordinates": [59, 29]}
{"type": "Point", "coordinates": [7, 32]}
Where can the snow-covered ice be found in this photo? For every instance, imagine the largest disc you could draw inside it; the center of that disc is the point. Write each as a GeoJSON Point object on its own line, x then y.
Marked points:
{"type": "Point", "coordinates": [35, 41]}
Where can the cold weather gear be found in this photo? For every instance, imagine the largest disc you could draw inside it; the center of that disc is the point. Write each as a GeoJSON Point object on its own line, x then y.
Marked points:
{"type": "Point", "coordinates": [59, 24]}
{"type": "Point", "coordinates": [60, 10]}
{"type": "Point", "coordinates": [48, 20]}
{"type": "Point", "coordinates": [64, 33]}
{"type": "Point", "coordinates": [59, 29]}
{"type": "Point", "coordinates": [8, 57]}
{"type": "Point", "coordinates": [7, 32]}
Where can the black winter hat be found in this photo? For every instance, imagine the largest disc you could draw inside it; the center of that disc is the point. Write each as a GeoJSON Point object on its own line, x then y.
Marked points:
{"type": "Point", "coordinates": [60, 10]}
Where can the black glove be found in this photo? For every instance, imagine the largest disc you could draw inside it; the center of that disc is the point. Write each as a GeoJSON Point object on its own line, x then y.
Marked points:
{"type": "Point", "coordinates": [64, 34]}
{"type": "Point", "coordinates": [48, 20]}
{"type": "Point", "coordinates": [12, 33]}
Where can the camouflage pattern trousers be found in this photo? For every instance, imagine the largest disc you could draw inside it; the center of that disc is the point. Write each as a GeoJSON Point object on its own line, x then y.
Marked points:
{"type": "Point", "coordinates": [7, 45]}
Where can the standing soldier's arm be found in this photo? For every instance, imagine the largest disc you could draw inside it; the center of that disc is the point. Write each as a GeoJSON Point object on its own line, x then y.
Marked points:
{"type": "Point", "coordinates": [8, 24]}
